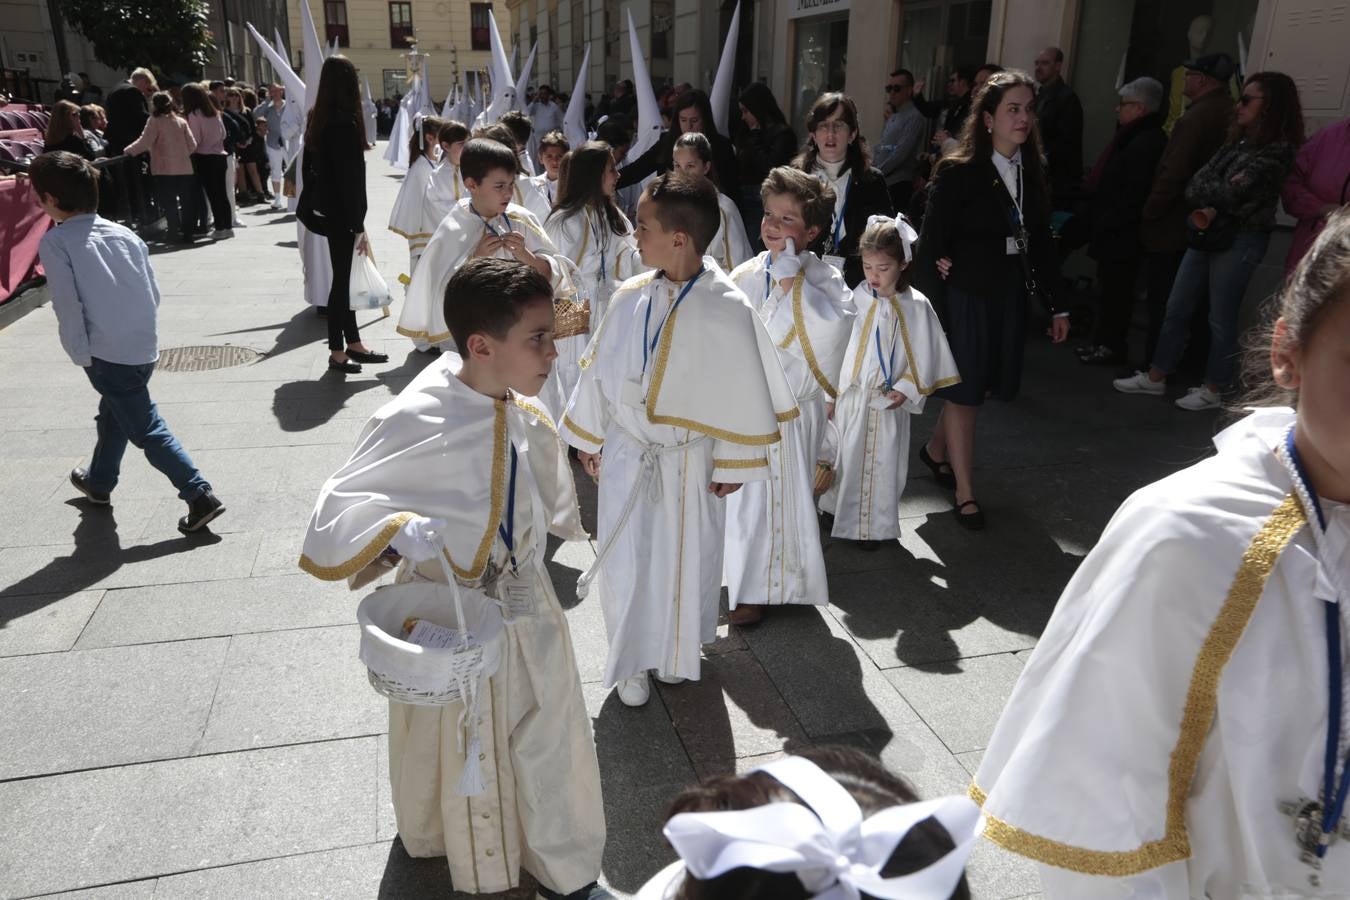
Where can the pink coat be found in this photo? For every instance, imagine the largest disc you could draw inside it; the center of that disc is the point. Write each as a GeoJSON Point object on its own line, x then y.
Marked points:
{"type": "Point", "coordinates": [170, 144]}
{"type": "Point", "coordinates": [1321, 175]}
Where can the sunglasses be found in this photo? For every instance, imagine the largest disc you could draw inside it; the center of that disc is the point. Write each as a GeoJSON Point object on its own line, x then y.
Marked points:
{"type": "Point", "coordinates": [1249, 98]}
{"type": "Point", "coordinates": [897, 88]}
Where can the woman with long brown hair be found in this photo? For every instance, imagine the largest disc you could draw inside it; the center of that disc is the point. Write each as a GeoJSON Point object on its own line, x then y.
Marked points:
{"type": "Point", "coordinates": [208, 160]}
{"type": "Point", "coordinates": [1234, 196]}
{"type": "Point", "coordinates": [64, 131]}
{"type": "Point", "coordinates": [984, 250]}
{"type": "Point", "coordinates": [334, 169]}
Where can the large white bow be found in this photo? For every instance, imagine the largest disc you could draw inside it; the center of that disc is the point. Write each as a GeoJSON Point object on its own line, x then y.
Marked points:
{"type": "Point", "coordinates": [907, 233]}
{"type": "Point", "coordinates": [833, 851]}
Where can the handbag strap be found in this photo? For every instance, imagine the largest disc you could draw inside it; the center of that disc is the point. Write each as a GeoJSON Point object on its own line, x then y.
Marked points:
{"type": "Point", "coordinates": [1023, 255]}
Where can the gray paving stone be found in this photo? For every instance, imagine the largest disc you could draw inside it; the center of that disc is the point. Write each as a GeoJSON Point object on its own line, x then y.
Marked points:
{"type": "Point", "coordinates": [279, 553]}
{"type": "Point", "coordinates": [996, 874]}
{"type": "Point", "coordinates": [133, 890]}
{"type": "Point", "coordinates": [246, 513]}
{"type": "Point", "coordinates": [174, 612]}
{"type": "Point", "coordinates": [54, 520]}
{"type": "Point", "coordinates": [386, 825]}
{"type": "Point", "coordinates": [136, 822]}
{"type": "Point", "coordinates": [286, 687]}
{"type": "Point", "coordinates": [44, 623]}
{"type": "Point", "coordinates": [105, 707]}
{"type": "Point", "coordinates": [970, 761]}
{"type": "Point", "coordinates": [636, 745]}
{"type": "Point", "coordinates": [961, 708]}
{"type": "Point", "coordinates": [351, 872]}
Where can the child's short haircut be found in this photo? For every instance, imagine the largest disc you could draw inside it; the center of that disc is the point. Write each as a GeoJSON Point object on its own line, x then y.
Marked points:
{"type": "Point", "coordinates": [488, 296]}
{"type": "Point", "coordinates": [554, 139]}
{"type": "Point", "coordinates": [499, 133]}
{"type": "Point", "coordinates": [815, 197]}
{"type": "Point", "coordinates": [452, 132]}
{"type": "Point", "coordinates": [699, 143]}
{"type": "Point", "coordinates": [883, 237]}
{"type": "Point", "coordinates": [483, 155]}
{"type": "Point", "coordinates": [686, 203]}
{"type": "Point", "coordinates": [520, 126]}
{"type": "Point", "coordinates": [71, 181]}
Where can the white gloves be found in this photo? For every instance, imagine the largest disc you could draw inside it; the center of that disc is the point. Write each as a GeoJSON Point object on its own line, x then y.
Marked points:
{"type": "Point", "coordinates": [419, 539]}
{"type": "Point", "coordinates": [786, 264]}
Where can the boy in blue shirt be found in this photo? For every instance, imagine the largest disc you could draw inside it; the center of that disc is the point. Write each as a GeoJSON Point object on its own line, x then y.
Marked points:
{"type": "Point", "coordinates": [105, 298]}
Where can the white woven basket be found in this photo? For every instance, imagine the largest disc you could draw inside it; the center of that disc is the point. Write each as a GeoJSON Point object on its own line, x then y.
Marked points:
{"type": "Point", "coordinates": [430, 676]}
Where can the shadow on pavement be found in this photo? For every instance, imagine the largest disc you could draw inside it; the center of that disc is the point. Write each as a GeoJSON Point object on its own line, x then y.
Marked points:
{"type": "Point", "coordinates": [406, 877]}
{"type": "Point", "coordinates": [308, 403]}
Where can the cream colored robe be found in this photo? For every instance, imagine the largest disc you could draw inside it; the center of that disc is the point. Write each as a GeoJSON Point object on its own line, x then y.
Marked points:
{"type": "Point", "coordinates": [445, 189]}
{"type": "Point", "coordinates": [1179, 693]}
{"type": "Point", "coordinates": [773, 552]}
{"type": "Point", "coordinates": [659, 586]}
{"type": "Point", "coordinates": [440, 449]}
{"type": "Point", "coordinates": [730, 246]}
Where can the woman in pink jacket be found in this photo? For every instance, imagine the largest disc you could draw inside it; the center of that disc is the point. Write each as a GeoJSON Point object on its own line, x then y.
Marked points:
{"type": "Point", "coordinates": [170, 144]}
{"type": "Point", "coordinates": [1318, 186]}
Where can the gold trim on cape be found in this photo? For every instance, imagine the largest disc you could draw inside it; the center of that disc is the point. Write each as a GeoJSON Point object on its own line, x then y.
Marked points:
{"type": "Point", "coordinates": [803, 338]}
{"type": "Point", "coordinates": [1202, 700]}
{"type": "Point", "coordinates": [411, 237]}
{"type": "Point", "coordinates": [364, 557]}
{"type": "Point", "coordinates": [422, 335]}
{"type": "Point", "coordinates": [639, 282]}
{"type": "Point", "coordinates": [581, 432]}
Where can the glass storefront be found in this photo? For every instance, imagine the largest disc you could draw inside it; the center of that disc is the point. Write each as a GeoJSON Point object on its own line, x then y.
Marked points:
{"type": "Point", "coordinates": [820, 60]}
{"type": "Point", "coordinates": [938, 35]}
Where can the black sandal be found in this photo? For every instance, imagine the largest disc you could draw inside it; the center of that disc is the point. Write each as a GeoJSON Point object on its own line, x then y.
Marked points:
{"type": "Point", "coordinates": [941, 469]}
{"type": "Point", "coordinates": [974, 521]}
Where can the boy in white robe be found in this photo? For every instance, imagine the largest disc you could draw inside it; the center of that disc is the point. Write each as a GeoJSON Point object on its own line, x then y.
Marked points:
{"type": "Point", "coordinates": [552, 148]}
{"type": "Point", "coordinates": [1178, 728]}
{"type": "Point", "coordinates": [773, 535]}
{"type": "Point", "coordinates": [440, 470]}
{"type": "Point", "coordinates": [447, 182]}
{"type": "Point", "coordinates": [486, 223]}
{"type": "Point", "coordinates": [655, 395]}
{"type": "Point", "coordinates": [408, 218]}
{"type": "Point", "coordinates": [730, 246]}
{"type": "Point", "coordinates": [897, 355]}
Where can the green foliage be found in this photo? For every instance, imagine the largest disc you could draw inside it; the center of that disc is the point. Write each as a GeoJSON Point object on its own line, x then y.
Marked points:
{"type": "Point", "coordinates": [169, 37]}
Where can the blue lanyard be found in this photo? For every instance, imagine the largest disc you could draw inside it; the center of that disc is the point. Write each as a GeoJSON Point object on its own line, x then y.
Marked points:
{"type": "Point", "coordinates": [649, 345]}
{"type": "Point", "coordinates": [887, 363]}
{"type": "Point", "coordinates": [604, 246]}
{"type": "Point", "coordinates": [488, 225]}
{"type": "Point", "coordinates": [839, 221]}
{"type": "Point", "coordinates": [507, 529]}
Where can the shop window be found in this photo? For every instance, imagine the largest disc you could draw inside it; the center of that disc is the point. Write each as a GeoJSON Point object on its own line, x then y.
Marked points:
{"type": "Point", "coordinates": [335, 22]}
{"type": "Point", "coordinates": [480, 26]}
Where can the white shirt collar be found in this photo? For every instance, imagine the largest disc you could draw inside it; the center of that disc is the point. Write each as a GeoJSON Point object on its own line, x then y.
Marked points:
{"type": "Point", "coordinates": [1008, 169]}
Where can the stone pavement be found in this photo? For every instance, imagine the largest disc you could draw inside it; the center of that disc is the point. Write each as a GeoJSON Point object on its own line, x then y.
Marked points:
{"type": "Point", "coordinates": [188, 717]}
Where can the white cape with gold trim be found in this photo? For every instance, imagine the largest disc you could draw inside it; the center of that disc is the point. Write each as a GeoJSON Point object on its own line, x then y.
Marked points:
{"type": "Point", "coordinates": [445, 189]}
{"type": "Point", "coordinates": [714, 396]}
{"type": "Point", "coordinates": [731, 245]}
{"type": "Point", "coordinates": [872, 463]}
{"type": "Point", "coordinates": [408, 218]}
{"type": "Point", "coordinates": [1177, 696]}
{"type": "Point", "coordinates": [440, 449]}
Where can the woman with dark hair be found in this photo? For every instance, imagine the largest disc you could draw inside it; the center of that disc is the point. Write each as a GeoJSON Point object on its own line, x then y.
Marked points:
{"type": "Point", "coordinates": [208, 160]}
{"type": "Point", "coordinates": [692, 112]}
{"type": "Point", "coordinates": [334, 166]}
{"type": "Point", "coordinates": [1234, 197]}
{"type": "Point", "coordinates": [836, 153]}
{"type": "Point", "coordinates": [170, 144]}
{"type": "Point", "coordinates": [65, 131]}
{"type": "Point", "coordinates": [766, 142]}
{"type": "Point", "coordinates": [984, 249]}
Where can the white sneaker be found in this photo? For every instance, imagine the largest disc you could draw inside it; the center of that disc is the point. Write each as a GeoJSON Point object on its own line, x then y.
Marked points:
{"type": "Point", "coordinates": [1140, 383]}
{"type": "Point", "coordinates": [634, 691]}
{"type": "Point", "coordinates": [1198, 398]}
{"type": "Point", "coordinates": [237, 224]}
{"type": "Point", "coordinates": [670, 679]}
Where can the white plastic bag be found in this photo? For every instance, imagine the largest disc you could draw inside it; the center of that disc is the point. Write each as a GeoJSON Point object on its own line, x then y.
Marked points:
{"type": "Point", "coordinates": [367, 289]}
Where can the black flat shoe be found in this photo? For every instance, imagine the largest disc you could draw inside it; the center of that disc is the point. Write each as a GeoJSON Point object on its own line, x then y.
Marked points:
{"type": "Point", "coordinates": [1101, 356]}
{"type": "Point", "coordinates": [973, 521]}
{"type": "Point", "coordinates": [80, 479]}
{"type": "Point", "coordinates": [362, 356]}
{"type": "Point", "coordinates": [349, 367]}
{"type": "Point", "coordinates": [202, 510]}
{"type": "Point", "coordinates": [941, 469]}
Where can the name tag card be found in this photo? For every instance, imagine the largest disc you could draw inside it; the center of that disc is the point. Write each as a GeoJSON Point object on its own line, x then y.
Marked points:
{"type": "Point", "coordinates": [515, 595]}
{"type": "Point", "coordinates": [631, 393]}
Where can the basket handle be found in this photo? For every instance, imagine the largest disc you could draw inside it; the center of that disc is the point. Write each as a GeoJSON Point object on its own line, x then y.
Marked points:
{"type": "Point", "coordinates": [444, 557]}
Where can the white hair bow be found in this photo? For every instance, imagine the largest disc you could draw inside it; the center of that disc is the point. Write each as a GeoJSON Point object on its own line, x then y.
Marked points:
{"type": "Point", "coordinates": [907, 233]}
{"type": "Point", "coordinates": [833, 851]}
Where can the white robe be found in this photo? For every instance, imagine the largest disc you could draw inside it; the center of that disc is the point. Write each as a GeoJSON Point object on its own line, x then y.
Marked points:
{"type": "Point", "coordinates": [539, 198]}
{"type": "Point", "coordinates": [440, 449]}
{"type": "Point", "coordinates": [423, 315]}
{"type": "Point", "coordinates": [408, 218]}
{"type": "Point", "coordinates": [316, 266]}
{"type": "Point", "coordinates": [1179, 693]}
{"type": "Point", "coordinates": [773, 552]}
{"type": "Point", "coordinates": [872, 460]}
{"type": "Point", "coordinates": [730, 246]}
{"type": "Point", "coordinates": [660, 582]}
{"type": "Point", "coordinates": [445, 189]}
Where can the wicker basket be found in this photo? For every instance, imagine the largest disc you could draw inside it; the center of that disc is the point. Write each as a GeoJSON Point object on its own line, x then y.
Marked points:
{"type": "Point", "coordinates": [430, 676]}
{"type": "Point", "coordinates": [571, 317]}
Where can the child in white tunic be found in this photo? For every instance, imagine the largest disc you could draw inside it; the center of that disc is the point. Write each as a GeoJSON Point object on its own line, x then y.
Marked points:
{"type": "Point", "coordinates": [730, 246]}
{"type": "Point", "coordinates": [408, 219]}
{"type": "Point", "coordinates": [461, 464]}
{"type": "Point", "coordinates": [504, 135]}
{"type": "Point", "coordinates": [447, 182]}
{"type": "Point", "coordinates": [1178, 731]}
{"type": "Point", "coordinates": [552, 148]}
{"type": "Point", "coordinates": [773, 536]}
{"type": "Point", "coordinates": [485, 223]}
{"type": "Point", "coordinates": [897, 356]}
{"type": "Point", "coordinates": [588, 228]}
{"type": "Point", "coordinates": [656, 394]}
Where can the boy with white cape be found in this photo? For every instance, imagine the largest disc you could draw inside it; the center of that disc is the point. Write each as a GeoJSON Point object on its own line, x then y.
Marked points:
{"type": "Point", "coordinates": [681, 390]}
{"type": "Point", "coordinates": [773, 535]}
{"type": "Point", "coordinates": [461, 464]}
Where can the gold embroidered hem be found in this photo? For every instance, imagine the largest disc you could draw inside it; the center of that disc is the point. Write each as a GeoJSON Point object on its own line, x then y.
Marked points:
{"type": "Point", "coordinates": [637, 281]}
{"type": "Point", "coordinates": [363, 558]}
{"type": "Point", "coordinates": [1259, 559]}
{"type": "Point", "coordinates": [498, 498]}
{"type": "Point", "coordinates": [582, 432]}
{"type": "Point", "coordinates": [412, 237]}
{"type": "Point", "coordinates": [740, 463]}
{"type": "Point", "coordinates": [422, 335]}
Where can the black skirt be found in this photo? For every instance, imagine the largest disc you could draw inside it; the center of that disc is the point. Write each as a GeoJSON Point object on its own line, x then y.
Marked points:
{"type": "Point", "coordinates": [987, 336]}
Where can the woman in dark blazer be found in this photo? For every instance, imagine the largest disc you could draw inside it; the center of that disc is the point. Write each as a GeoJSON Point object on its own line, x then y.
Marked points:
{"type": "Point", "coordinates": [335, 168]}
{"type": "Point", "coordinates": [984, 248]}
{"type": "Point", "coordinates": [693, 112]}
{"type": "Point", "coordinates": [837, 154]}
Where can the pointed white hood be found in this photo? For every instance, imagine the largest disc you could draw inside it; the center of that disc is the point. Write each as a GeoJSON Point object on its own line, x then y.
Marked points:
{"type": "Point", "coordinates": [648, 130]}
{"type": "Point", "coordinates": [726, 73]}
{"type": "Point", "coordinates": [314, 55]}
{"type": "Point", "coordinates": [503, 83]}
{"type": "Point", "coordinates": [574, 120]}
{"type": "Point", "coordinates": [524, 81]}
{"type": "Point", "coordinates": [295, 87]}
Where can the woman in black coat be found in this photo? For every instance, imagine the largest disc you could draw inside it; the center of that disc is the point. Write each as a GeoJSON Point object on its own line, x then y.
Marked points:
{"type": "Point", "coordinates": [334, 160]}
{"type": "Point", "coordinates": [692, 112]}
{"type": "Point", "coordinates": [766, 142]}
{"type": "Point", "coordinates": [837, 154]}
{"type": "Point", "coordinates": [985, 247]}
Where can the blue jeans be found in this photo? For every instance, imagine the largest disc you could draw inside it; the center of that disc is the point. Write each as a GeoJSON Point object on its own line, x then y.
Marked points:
{"type": "Point", "coordinates": [1225, 275]}
{"type": "Point", "coordinates": [126, 414]}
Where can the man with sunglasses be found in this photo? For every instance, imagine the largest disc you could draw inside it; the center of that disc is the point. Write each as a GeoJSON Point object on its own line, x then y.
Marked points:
{"type": "Point", "coordinates": [897, 153]}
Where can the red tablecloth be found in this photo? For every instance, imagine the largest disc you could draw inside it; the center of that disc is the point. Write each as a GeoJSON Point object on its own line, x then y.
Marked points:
{"type": "Point", "coordinates": [22, 225]}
